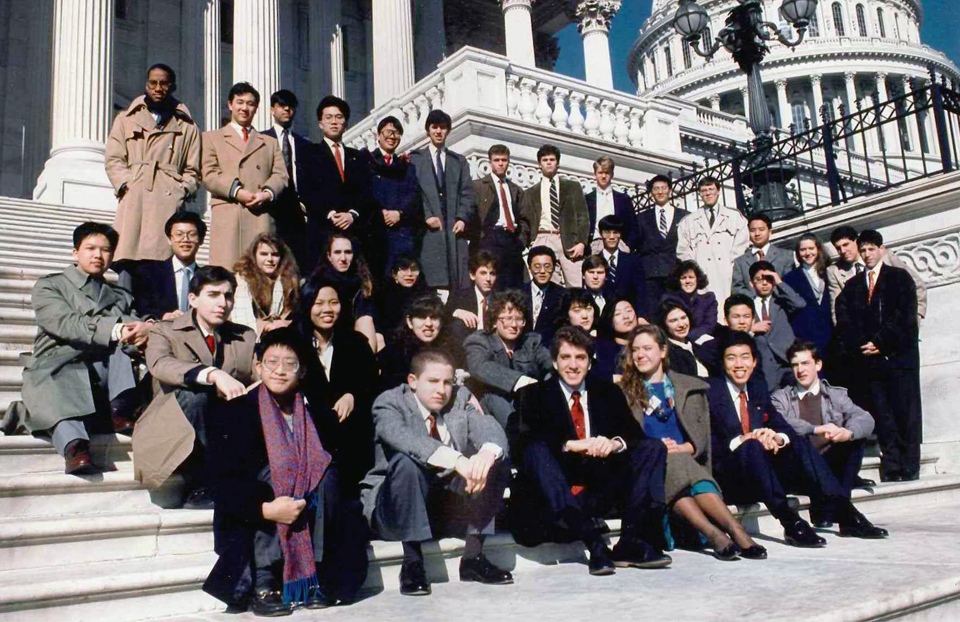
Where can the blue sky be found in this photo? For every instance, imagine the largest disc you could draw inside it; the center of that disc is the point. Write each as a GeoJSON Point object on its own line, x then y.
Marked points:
{"type": "Point", "coordinates": [939, 30]}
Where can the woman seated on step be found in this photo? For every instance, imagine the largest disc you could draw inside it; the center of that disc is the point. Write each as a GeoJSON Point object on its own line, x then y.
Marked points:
{"type": "Point", "coordinates": [268, 284]}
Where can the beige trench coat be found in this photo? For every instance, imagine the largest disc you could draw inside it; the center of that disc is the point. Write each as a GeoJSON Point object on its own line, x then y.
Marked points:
{"type": "Point", "coordinates": [161, 168]}
{"type": "Point", "coordinates": [258, 164]}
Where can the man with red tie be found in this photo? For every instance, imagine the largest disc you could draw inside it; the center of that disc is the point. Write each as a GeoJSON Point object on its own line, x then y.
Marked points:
{"type": "Point", "coordinates": [580, 453]}
{"type": "Point", "coordinates": [758, 457]}
{"type": "Point", "coordinates": [194, 359]}
{"type": "Point", "coordinates": [498, 205]}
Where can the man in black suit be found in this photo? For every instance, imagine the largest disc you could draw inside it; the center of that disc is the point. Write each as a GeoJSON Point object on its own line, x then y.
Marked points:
{"type": "Point", "coordinates": [878, 332]}
{"type": "Point", "coordinates": [582, 453]}
{"type": "Point", "coordinates": [160, 288]}
{"type": "Point", "coordinates": [605, 201]}
{"type": "Point", "coordinates": [656, 241]}
{"type": "Point", "coordinates": [336, 189]}
{"type": "Point", "coordinates": [498, 211]}
{"type": "Point", "coordinates": [466, 308]}
{"type": "Point", "coordinates": [544, 297]}
{"type": "Point", "coordinates": [287, 211]}
{"type": "Point", "coordinates": [758, 457]}
{"type": "Point", "coordinates": [625, 276]}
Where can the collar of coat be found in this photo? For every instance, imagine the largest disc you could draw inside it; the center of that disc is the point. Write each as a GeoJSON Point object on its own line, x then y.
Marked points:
{"type": "Point", "coordinates": [180, 111]}
{"type": "Point", "coordinates": [683, 386]}
{"type": "Point", "coordinates": [225, 332]}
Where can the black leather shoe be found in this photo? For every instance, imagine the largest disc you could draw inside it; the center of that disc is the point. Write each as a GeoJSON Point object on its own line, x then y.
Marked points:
{"type": "Point", "coordinates": [77, 460]}
{"type": "Point", "coordinates": [600, 563]}
{"type": "Point", "coordinates": [199, 499]}
{"type": "Point", "coordinates": [730, 553]}
{"type": "Point", "coordinates": [480, 569]}
{"type": "Point", "coordinates": [316, 599]}
{"type": "Point", "coordinates": [269, 604]}
{"type": "Point", "coordinates": [413, 579]}
{"type": "Point", "coordinates": [892, 476]}
{"type": "Point", "coordinates": [862, 482]}
{"type": "Point", "coordinates": [859, 527]}
{"type": "Point", "coordinates": [633, 553]}
{"type": "Point", "coordinates": [801, 534]}
{"type": "Point", "coordinates": [754, 552]}
{"type": "Point", "coordinates": [910, 475]}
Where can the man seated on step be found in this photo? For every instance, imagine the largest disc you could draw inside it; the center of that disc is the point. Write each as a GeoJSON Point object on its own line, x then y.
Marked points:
{"type": "Point", "coordinates": [758, 457]}
{"type": "Point", "coordinates": [825, 415]}
{"type": "Point", "coordinates": [195, 360]}
{"type": "Point", "coordinates": [440, 467]}
{"type": "Point", "coordinates": [81, 373]}
{"type": "Point", "coordinates": [467, 307]}
{"type": "Point", "coordinates": [160, 288]}
{"type": "Point", "coordinates": [280, 528]}
{"type": "Point", "coordinates": [581, 453]}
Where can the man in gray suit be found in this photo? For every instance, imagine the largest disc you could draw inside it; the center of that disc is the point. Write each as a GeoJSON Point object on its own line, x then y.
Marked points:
{"type": "Point", "coordinates": [439, 464]}
{"type": "Point", "coordinates": [760, 227]}
{"type": "Point", "coordinates": [449, 203]}
{"type": "Point", "coordinates": [774, 301]}
{"type": "Point", "coordinates": [80, 369]}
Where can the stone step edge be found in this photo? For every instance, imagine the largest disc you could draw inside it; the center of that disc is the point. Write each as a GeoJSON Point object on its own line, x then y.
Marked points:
{"type": "Point", "coordinates": [918, 599]}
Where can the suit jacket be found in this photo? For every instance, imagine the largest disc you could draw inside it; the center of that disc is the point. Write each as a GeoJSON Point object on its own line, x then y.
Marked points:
{"type": "Point", "coordinates": [155, 288]}
{"type": "Point", "coordinates": [725, 416]}
{"type": "Point", "coordinates": [631, 281]}
{"type": "Point", "coordinates": [889, 320]}
{"type": "Point", "coordinates": [495, 372]}
{"type": "Point", "coordinates": [703, 311]}
{"type": "Point", "coordinates": [838, 274]}
{"type": "Point", "coordinates": [394, 187]}
{"type": "Point", "coordinates": [683, 362]}
{"type": "Point", "coordinates": [836, 407]}
{"type": "Point", "coordinates": [488, 204]}
{"type": "Point", "coordinates": [288, 212]}
{"type": "Point", "coordinates": [773, 345]}
{"type": "Point", "coordinates": [443, 254]}
{"type": "Point", "coordinates": [812, 322]}
{"type": "Point", "coordinates": [549, 311]}
{"type": "Point", "coordinates": [400, 429]}
{"type": "Point", "coordinates": [574, 219]}
{"type": "Point", "coordinates": [73, 328]}
{"type": "Point", "coordinates": [658, 253]}
{"type": "Point", "coordinates": [693, 414]}
{"type": "Point", "coordinates": [781, 259]}
{"type": "Point", "coordinates": [257, 164]}
{"type": "Point", "coordinates": [622, 209]}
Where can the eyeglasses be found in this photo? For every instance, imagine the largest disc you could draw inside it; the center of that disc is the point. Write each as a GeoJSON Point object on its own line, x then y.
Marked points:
{"type": "Point", "coordinates": [289, 365]}
{"type": "Point", "coordinates": [411, 270]}
{"type": "Point", "coordinates": [511, 320]}
{"type": "Point", "coordinates": [179, 236]}
{"type": "Point", "coordinates": [163, 84]}
{"type": "Point", "coordinates": [391, 134]}
{"type": "Point", "coordinates": [541, 267]}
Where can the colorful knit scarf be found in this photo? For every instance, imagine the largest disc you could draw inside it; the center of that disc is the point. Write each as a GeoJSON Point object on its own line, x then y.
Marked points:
{"type": "Point", "coordinates": [297, 464]}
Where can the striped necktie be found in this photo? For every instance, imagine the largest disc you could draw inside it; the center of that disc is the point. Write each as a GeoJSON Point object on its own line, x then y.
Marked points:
{"type": "Point", "coordinates": [663, 221]}
{"type": "Point", "coordinates": [555, 204]}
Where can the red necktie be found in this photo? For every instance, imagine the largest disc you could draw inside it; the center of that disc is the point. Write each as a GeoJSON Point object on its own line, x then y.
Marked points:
{"type": "Point", "coordinates": [579, 420]}
{"type": "Point", "coordinates": [339, 159]}
{"type": "Point", "coordinates": [434, 431]}
{"type": "Point", "coordinates": [246, 133]}
{"type": "Point", "coordinates": [506, 208]}
{"type": "Point", "coordinates": [744, 413]}
{"type": "Point", "coordinates": [871, 283]}
{"type": "Point", "coordinates": [211, 343]}
{"type": "Point", "coordinates": [386, 159]}
{"type": "Point", "coordinates": [764, 312]}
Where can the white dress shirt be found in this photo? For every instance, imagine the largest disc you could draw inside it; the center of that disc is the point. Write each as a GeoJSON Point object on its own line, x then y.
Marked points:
{"type": "Point", "coordinates": [433, 158]}
{"type": "Point", "coordinates": [669, 210]}
{"type": "Point", "coordinates": [609, 257]}
{"type": "Point", "coordinates": [326, 359]}
{"type": "Point", "coordinates": [546, 221]}
{"type": "Point", "coordinates": [293, 150]}
{"type": "Point", "coordinates": [178, 269]}
{"type": "Point", "coordinates": [204, 376]}
{"type": "Point", "coordinates": [813, 390]}
{"type": "Point", "coordinates": [584, 403]}
{"type": "Point", "coordinates": [735, 396]}
{"type": "Point", "coordinates": [758, 307]}
{"type": "Point", "coordinates": [536, 296]}
{"type": "Point", "coordinates": [604, 207]}
{"type": "Point", "coordinates": [343, 153]}
{"type": "Point", "coordinates": [816, 283]}
{"type": "Point", "coordinates": [446, 456]}
{"type": "Point", "coordinates": [756, 251]}
{"type": "Point", "coordinates": [876, 275]}
{"type": "Point", "coordinates": [480, 314]}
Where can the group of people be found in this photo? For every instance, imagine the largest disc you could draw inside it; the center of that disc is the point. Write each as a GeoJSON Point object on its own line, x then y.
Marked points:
{"type": "Point", "coordinates": [380, 346]}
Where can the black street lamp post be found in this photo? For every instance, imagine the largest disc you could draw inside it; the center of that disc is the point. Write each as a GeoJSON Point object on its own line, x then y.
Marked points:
{"type": "Point", "coordinates": [745, 36]}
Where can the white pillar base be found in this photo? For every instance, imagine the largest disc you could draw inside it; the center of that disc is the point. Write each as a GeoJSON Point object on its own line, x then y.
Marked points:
{"type": "Point", "coordinates": [75, 176]}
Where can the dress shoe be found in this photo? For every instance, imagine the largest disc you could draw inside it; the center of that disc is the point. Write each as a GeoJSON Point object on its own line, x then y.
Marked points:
{"type": "Point", "coordinates": [729, 553]}
{"type": "Point", "coordinates": [754, 552]}
{"type": "Point", "coordinates": [199, 499]}
{"type": "Point", "coordinates": [122, 424]}
{"type": "Point", "coordinates": [822, 523]}
{"type": "Point", "coordinates": [413, 579]}
{"type": "Point", "coordinates": [269, 603]}
{"type": "Point", "coordinates": [801, 534]}
{"type": "Point", "coordinates": [891, 476]}
{"type": "Point", "coordinates": [600, 563]}
{"type": "Point", "coordinates": [859, 527]}
{"type": "Point", "coordinates": [77, 460]}
{"type": "Point", "coordinates": [316, 599]}
{"type": "Point", "coordinates": [634, 553]}
{"type": "Point", "coordinates": [480, 569]}
{"type": "Point", "coordinates": [862, 482]}
{"type": "Point", "coordinates": [909, 475]}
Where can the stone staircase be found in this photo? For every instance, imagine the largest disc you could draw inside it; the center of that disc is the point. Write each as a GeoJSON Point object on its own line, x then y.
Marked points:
{"type": "Point", "coordinates": [104, 548]}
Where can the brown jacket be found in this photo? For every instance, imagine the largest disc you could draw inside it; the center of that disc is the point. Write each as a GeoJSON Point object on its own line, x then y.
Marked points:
{"type": "Point", "coordinates": [161, 169]}
{"type": "Point", "coordinates": [257, 165]}
{"type": "Point", "coordinates": [488, 200]}
{"type": "Point", "coordinates": [574, 218]}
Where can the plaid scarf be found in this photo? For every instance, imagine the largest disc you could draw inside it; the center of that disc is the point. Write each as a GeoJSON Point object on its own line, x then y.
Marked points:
{"type": "Point", "coordinates": [297, 464]}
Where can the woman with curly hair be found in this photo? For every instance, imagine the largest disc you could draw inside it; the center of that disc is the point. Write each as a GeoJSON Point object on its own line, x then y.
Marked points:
{"type": "Point", "coordinates": [686, 357]}
{"type": "Point", "coordinates": [673, 407]}
{"type": "Point", "coordinates": [687, 285]}
{"type": "Point", "coordinates": [268, 284]}
{"type": "Point", "coordinates": [348, 270]}
{"type": "Point", "coordinates": [422, 327]}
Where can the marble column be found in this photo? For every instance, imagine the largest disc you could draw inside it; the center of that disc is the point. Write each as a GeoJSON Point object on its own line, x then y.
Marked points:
{"type": "Point", "coordinates": [786, 114]}
{"type": "Point", "coordinates": [911, 117]}
{"type": "Point", "coordinates": [256, 51]}
{"type": "Point", "coordinates": [393, 68]}
{"type": "Point", "coordinates": [82, 105]}
{"type": "Point", "coordinates": [891, 133]}
{"type": "Point", "coordinates": [518, 30]}
{"type": "Point", "coordinates": [213, 105]}
{"type": "Point", "coordinates": [593, 20]}
{"type": "Point", "coordinates": [715, 102]}
{"type": "Point", "coordinates": [745, 93]}
{"type": "Point", "coordinates": [850, 80]}
{"type": "Point", "coordinates": [817, 87]}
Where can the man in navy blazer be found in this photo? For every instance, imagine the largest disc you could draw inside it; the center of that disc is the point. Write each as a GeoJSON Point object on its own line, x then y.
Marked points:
{"type": "Point", "coordinates": [580, 453]}
{"type": "Point", "coordinates": [605, 201]}
{"type": "Point", "coordinates": [625, 275]}
{"type": "Point", "coordinates": [544, 297]}
{"type": "Point", "coordinates": [656, 241]}
{"type": "Point", "coordinates": [759, 457]}
{"type": "Point", "coordinates": [160, 288]}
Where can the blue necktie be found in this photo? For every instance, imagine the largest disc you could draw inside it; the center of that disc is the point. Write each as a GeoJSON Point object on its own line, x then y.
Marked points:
{"type": "Point", "coordinates": [184, 289]}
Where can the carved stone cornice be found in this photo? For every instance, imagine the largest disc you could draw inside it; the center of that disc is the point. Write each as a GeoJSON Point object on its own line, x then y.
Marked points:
{"type": "Point", "coordinates": [936, 260]}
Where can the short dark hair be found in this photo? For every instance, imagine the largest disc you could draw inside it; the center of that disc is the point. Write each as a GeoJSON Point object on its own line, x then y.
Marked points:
{"type": "Point", "coordinates": [762, 217]}
{"type": "Point", "coordinates": [427, 305]}
{"type": "Point", "coordinates": [760, 265]}
{"type": "Point", "coordinates": [843, 232]}
{"type": "Point", "coordinates": [736, 338]}
{"type": "Point", "coordinates": [500, 301]}
{"type": "Point", "coordinates": [548, 150]}
{"type": "Point", "coordinates": [285, 337]}
{"type": "Point", "coordinates": [438, 117]}
{"type": "Point", "coordinates": [667, 305]}
{"type": "Point", "coordinates": [209, 275]}
{"type": "Point", "coordinates": [803, 346]}
{"type": "Point", "coordinates": [574, 336]}
{"type": "Point", "coordinates": [86, 229]}
{"type": "Point", "coordinates": [537, 251]}
{"type": "Point", "coordinates": [686, 266]}
{"type": "Point", "coordinates": [167, 68]}
{"type": "Point", "coordinates": [709, 181]}
{"type": "Point", "coordinates": [610, 223]}
{"type": "Point", "coordinates": [243, 88]}
{"type": "Point", "coordinates": [186, 217]}
{"type": "Point", "coordinates": [335, 102]}
{"type": "Point", "coordinates": [285, 97]}
{"type": "Point", "coordinates": [426, 357]}
{"type": "Point", "coordinates": [664, 178]}
{"type": "Point", "coordinates": [390, 120]}
{"type": "Point", "coordinates": [498, 149]}
{"type": "Point", "coordinates": [735, 300]}
{"type": "Point", "coordinates": [869, 236]}
{"type": "Point", "coordinates": [592, 262]}
{"type": "Point", "coordinates": [404, 261]}
{"type": "Point", "coordinates": [481, 258]}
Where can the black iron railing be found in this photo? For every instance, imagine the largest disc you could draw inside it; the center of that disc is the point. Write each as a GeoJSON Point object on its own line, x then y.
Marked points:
{"type": "Point", "coordinates": [881, 145]}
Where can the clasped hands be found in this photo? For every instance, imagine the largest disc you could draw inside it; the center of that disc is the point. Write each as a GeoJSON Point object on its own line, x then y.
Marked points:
{"type": "Point", "coordinates": [767, 437]}
{"type": "Point", "coordinates": [594, 447]}
{"type": "Point", "coordinates": [253, 199]}
{"type": "Point", "coordinates": [474, 470]}
{"type": "Point", "coordinates": [135, 333]}
{"type": "Point", "coordinates": [833, 433]}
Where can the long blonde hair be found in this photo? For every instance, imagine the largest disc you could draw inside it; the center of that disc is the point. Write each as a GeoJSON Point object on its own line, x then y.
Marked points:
{"type": "Point", "coordinates": [261, 285]}
{"type": "Point", "coordinates": [632, 382]}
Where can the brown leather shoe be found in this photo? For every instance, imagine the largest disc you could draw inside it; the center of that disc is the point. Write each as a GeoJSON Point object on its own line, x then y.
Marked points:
{"type": "Point", "coordinates": [121, 424]}
{"type": "Point", "coordinates": [77, 458]}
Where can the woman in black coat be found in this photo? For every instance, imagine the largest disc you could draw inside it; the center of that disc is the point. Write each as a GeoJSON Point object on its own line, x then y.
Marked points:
{"type": "Point", "coordinates": [812, 322]}
{"type": "Point", "coordinates": [395, 293]}
{"type": "Point", "coordinates": [686, 356]}
{"type": "Point", "coordinates": [617, 321]}
{"type": "Point", "coordinates": [687, 287]}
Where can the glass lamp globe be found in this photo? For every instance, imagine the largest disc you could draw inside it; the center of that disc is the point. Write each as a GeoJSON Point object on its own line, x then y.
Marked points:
{"type": "Point", "coordinates": [690, 20]}
{"type": "Point", "coordinates": [798, 10]}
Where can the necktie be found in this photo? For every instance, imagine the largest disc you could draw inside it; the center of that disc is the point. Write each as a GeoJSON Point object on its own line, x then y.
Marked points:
{"type": "Point", "coordinates": [744, 413]}
{"type": "Point", "coordinates": [339, 159]}
{"type": "Point", "coordinates": [579, 420]}
{"type": "Point", "coordinates": [760, 254]}
{"type": "Point", "coordinates": [246, 133]}
{"type": "Point", "coordinates": [184, 290]}
{"type": "Point", "coordinates": [871, 283]}
{"type": "Point", "coordinates": [386, 159]}
{"type": "Point", "coordinates": [663, 221]}
{"type": "Point", "coordinates": [612, 277]}
{"type": "Point", "coordinates": [506, 208]}
{"type": "Point", "coordinates": [434, 431]}
{"type": "Point", "coordinates": [285, 152]}
{"type": "Point", "coordinates": [711, 215]}
{"type": "Point", "coordinates": [211, 343]}
{"type": "Point", "coordinates": [764, 311]}
{"type": "Point", "coordinates": [440, 173]}
{"type": "Point", "coordinates": [555, 204]}
{"type": "Point", "coordinates": [537, 303]}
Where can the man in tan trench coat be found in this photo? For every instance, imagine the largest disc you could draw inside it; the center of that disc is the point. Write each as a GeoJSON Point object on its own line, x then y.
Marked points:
{"type": "Point", "coordinates": [244, 172]}
{"type": "Point", "coordinates": [153, 162]}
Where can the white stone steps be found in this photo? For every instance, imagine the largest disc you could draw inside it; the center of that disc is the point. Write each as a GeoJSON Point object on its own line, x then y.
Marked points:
{"type": "Point", "coordinates": [17, 333]}
{"type": "Point", "coordinates": [28, 455]}
{"type": "Point", "coordinates": [10, 316]}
